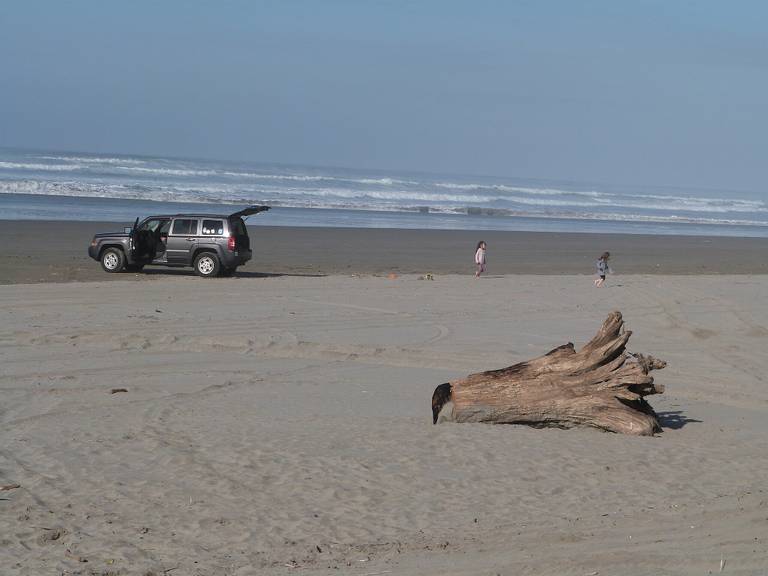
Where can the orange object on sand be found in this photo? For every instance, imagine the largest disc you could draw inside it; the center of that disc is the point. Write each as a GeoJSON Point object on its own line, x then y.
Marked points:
{"type": "Point", "coordinates": [392, 276]}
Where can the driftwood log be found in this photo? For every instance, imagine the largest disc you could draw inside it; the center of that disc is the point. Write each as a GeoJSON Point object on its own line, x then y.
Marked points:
{"type": "Point", "coordinates": [602, 385]}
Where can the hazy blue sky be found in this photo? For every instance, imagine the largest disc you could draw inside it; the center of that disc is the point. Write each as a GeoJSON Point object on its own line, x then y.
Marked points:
{"type": "Point", "coordinates": [635, 92]}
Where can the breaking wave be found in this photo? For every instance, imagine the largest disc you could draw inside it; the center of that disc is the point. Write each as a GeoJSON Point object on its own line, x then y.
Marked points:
{"type": "Point", "coordinates": [40, 167]}
{"type": "Point", "coordinates": [175, 180]}
{"type": "Point", "coordinates": [93, 160]}
{"type": "Point", "coordinates": [339, 199]}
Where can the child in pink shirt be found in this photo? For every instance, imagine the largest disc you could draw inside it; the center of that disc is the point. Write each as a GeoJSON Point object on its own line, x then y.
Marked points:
{"type": "Point", "coordinates": [480, 259]}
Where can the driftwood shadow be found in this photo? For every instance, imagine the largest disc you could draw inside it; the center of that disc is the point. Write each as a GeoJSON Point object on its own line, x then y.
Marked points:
{"type": "Point", "coordinates": [674, 419]}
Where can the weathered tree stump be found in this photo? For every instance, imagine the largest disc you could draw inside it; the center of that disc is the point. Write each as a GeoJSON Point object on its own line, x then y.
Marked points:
{"type": "Point", "coordinates": [602, 386]}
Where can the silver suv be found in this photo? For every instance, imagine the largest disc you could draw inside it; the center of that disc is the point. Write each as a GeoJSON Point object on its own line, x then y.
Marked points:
{"type": "Point", "coordinates": [214, 244]}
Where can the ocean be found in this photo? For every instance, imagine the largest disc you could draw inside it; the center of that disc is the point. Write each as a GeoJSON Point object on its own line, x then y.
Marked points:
{"type": "Point", "coordinates": [119, 188]}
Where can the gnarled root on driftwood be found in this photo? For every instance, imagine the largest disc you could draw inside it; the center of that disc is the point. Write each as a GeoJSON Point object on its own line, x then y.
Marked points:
{"type": "Point", "coordinates": [602, 385]}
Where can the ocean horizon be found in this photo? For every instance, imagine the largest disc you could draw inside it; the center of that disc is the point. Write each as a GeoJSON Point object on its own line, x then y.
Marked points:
{"type": "Point", "coordinates": [49, 185]}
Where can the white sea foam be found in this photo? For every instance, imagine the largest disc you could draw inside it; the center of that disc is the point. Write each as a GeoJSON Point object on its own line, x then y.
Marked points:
{"type": "Point", "coordinates": [696, 203]}
{"type": "Point", "coordinates": [287, 177]}
{"type": "Point", "coordinates": [386, 181]}
{"type": "Point", "coordinates": [69, 188]}
{"type": "Point", "coordinates": [521, 189]}
{"type": "Point", "coordinates": [41, 167]}
{"type": "Point", "coordinates": [168, 171]}
{"type": "Point", "coordinates": [386, 196]}
{"type": "Point", "coordinates": [92, 159]}
{"type": "Point", "coordinates": [617, 200]}
{"type": "Point", "coordinates": [375, 199]}
{"type": "Point", "coordinates": [657, 203]}
{"type": "Point", "coordinates": [338, 199]}
{"type": "Point", "coordinates": [320, 178]}
{"type": "Point", "coordinates": [174, 180]}
{"type": "Point", "coordinates": [188, 172]}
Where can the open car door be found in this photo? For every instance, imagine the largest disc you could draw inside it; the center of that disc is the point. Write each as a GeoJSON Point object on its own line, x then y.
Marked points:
{"type": "Point", "coordinates": [145, 240]}
{"type": "Point", "coordinates": [249, 211]}
{"type": "Point", "coordinates": [132, 238]}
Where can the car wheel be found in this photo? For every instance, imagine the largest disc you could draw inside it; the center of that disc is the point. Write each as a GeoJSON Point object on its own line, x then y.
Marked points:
{"type": "Point", "coordinates": [112, 260]}
{"type": "Point", "coordinates": [207, 264]}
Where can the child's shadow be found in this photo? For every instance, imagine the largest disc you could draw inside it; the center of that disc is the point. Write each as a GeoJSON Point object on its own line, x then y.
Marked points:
{"type": "Point", "coordinates": [674, 419]}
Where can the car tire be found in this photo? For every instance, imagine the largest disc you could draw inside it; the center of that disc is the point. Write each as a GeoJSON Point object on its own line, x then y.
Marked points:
{"type": "Point", "coordinates": [207, 265]}
{"type": "Point", "coordinates": [112, 260]}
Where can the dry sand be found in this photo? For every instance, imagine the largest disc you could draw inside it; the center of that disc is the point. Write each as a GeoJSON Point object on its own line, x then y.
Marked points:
{"type": "Point", "coordinates": [281, 425]}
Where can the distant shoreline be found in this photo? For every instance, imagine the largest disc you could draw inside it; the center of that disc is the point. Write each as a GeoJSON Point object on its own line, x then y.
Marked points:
{"type": "Point", "coordinates": [56, 251]}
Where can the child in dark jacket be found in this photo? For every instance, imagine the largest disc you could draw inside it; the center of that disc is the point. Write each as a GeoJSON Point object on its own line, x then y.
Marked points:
{"type": "Point", "coordinates": [602, 269]}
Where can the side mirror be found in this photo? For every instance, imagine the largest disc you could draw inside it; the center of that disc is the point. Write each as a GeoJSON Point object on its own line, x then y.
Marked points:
{"type": "Point", "coordinates": [127, 229]}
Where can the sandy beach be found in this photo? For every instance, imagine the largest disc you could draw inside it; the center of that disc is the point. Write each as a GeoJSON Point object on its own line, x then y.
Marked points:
{"type": "Point", "coordinates": [279, 422]}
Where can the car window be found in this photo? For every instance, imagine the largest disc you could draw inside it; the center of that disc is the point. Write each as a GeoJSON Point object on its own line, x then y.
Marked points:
{"type": "Point", "coordinates": [213, 227]}
{"type": "Point", "coordinates": [151, 224]}
{"type": "Point", "coordinates": [184, 226]}
{"type": "Point", "coordinates": [238, 227]}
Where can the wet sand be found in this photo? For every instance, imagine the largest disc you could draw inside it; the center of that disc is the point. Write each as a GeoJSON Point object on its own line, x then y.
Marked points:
{"type": "Point", "coordinates": [57, 252]}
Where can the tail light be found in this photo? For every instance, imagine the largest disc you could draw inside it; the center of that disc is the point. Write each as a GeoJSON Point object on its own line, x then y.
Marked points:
{"type": "Point", "coordinates": [231, 244]}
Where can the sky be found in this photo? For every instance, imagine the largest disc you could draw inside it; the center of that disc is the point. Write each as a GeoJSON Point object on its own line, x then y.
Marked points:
{"type": "Point", "coordinates": [641, 92]}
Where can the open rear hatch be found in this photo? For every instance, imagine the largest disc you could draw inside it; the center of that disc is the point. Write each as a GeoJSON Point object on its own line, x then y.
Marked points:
{"type": "Point", "coordinates": [237, 225]}
{"type": "Point", "coordinates": [251, 210]}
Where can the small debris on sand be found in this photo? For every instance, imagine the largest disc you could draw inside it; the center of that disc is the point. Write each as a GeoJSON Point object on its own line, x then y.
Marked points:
{"type": "Point", "coordinates": [73, 556]}
{"type": "Point", "coordinates": [50, 535]}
